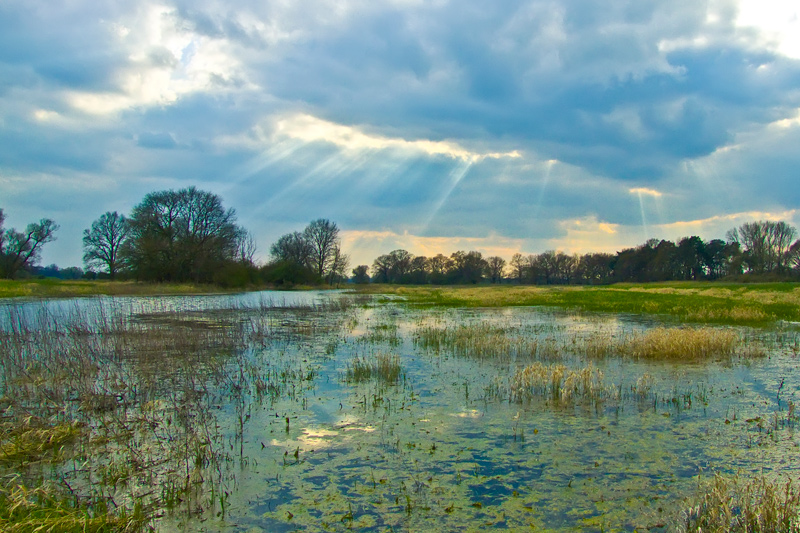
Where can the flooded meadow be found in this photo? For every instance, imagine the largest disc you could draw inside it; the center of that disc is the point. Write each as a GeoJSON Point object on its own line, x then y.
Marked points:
{"type": "Point", "coordinates": [330, 411]}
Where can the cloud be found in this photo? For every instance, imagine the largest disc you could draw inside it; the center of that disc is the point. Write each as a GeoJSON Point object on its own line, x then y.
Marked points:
{"type": "Point", "coordinates": [491, 121]}
{"type": "Point", "coordinates": [311, 129]}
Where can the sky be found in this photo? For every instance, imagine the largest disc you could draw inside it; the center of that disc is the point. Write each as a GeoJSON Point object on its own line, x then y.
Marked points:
{"type": "Point", "coordinates": [433, 126]}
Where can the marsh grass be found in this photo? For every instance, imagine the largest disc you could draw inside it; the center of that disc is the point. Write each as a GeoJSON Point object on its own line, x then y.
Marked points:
{"type": "Point", "coordinates": [53, 288]}
{"type": "Point", "coordinates": [24, 510]}
{"type": "Point", "coordinates": [556, 383]}
{"type": "Point", "coordinates": [680, 344]}
{"type": "Point", "coordinates": [383, 367]}
{"type": "Point", "coordinates": [97, 413]}
{"type": "Point", "coordinates": [737, 504]}
{"type": "Point", "coordinates": [33, 441]}
{"type": "Point", "coordinates": [489, 342]}
{"type": "Point", "coordinates": [677, 344]}
{"type": "Point", "coordinates": [705, 302]}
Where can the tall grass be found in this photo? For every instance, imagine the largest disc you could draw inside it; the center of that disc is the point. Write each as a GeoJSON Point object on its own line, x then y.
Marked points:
{"type": "Point", "coordinates": [383, 367]}
{"type": "Point", "coordinates": [736, 504]}
{"type": "Point", "coordinates": [119, 406]}
{"type": "Point", "coordinates": [559, 384]}
{"type": "Point", "coordinates": [487, 341]}
{"type": "Point", "coordinates": [680, 344]}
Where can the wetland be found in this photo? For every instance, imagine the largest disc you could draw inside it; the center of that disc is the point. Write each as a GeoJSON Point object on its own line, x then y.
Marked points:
{"type": "Point", "coordinates": [333, 410]}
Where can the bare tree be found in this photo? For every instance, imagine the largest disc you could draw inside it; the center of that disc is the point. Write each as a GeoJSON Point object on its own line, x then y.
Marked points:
{"type": "Point", "coordinates": [104, 240]}
{"type": "Point", "coordinates": [292, 248]}
{"type": "Point", "coordinates": [518, 265]}
{"type": "Point", "coordinates": [338, 266]}
{"type": "Point", "coordinates": [494, 268]}
{"type": "Point", "coordinates": [764, 243]}
{"type": "Point", "coordinates": [323, 237]}
{"type": "Point", "coordinates": [20, 250]}
{"type": "Point", "coordinates": [245, 247]}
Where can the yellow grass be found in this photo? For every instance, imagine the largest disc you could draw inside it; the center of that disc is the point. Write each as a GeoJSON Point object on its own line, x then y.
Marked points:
{"type": "Point", "coordinates": [684, 344]}
{"type": "Point", "coordinates": [559, 384]}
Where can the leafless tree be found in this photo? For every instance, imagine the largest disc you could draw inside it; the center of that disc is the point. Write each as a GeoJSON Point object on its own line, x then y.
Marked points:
{"type": "Point", "coordinates": [764, 243]}
{"type": "Point", "coordinates": [103, 242]}
{"type": "Point", "coordinates": [323, 237]}
{"type": "Point", "coordinates": [495, 266]}
{"type": "Point", "coordinates": [20, 250]}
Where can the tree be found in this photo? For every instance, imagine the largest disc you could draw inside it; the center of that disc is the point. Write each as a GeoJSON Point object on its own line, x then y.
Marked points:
{"type": "Point", "coordinates": [103, 241]}
{"type": "Point", "coordinates": [360, 274]}
{"type": "Point", "coordinates": [322, 236]}
{"type": "Point", "coordinates": [595, 268]}
{"type": "Point", "coordinates": [518, 265]}
{"type": "Point", "coordinates": [292, 248]}
{"type": "Point", "coordinates": [691, 256]}
{"type": "Point", "coordinates": [381, 268]}
{"type": "Point", "coordinates": [468, 267]}
{"type": "Point", "coordinates": [338, 266]}
{"type": "Point", "coordinates": [494, 268]}
{"type": "Point", "coordinates": [764, 243]}
{"type": "Point", "coordinates": [20, 250]}
{"type": "Point", "coordinates": [183, 235]}
{"type": "Point", "coordinates": [245, 247]}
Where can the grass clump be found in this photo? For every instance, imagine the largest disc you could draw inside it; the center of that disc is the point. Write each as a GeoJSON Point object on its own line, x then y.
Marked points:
{"type": "Point", "coordinates": [681, 344]}
{"type": "Point", "coordinates": [487, 341]}
{"type": "Point", "coordinates": [29, 443]}
{"type": "Point", "coordinates": [24, 510]}
{"type": "Point", "coordinates": [383, 367]}
{"type": "Point", "coordinates": [744, 505]}
{"type": "Point", "coordinates": [558, 384]}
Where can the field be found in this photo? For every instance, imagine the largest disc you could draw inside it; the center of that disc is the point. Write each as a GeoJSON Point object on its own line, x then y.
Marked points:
{"type": "Point", "coordinates": [443, 409]}
{"type": "Point", "coordinates": [755, 304]}
{"type": "Point", "coordinates": [52, 288]}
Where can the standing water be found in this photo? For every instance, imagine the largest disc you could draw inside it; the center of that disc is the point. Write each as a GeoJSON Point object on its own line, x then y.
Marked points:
{"type": "Point", "coordinates": [325, 411]}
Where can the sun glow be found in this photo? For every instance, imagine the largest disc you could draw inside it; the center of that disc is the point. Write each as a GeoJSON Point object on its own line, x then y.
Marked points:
{"type": "Point", "coordinates": [312, 129]}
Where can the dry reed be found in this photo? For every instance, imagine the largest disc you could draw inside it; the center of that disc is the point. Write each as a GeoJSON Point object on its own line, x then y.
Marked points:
{"type": "Point", "coordinates": [744, 505]}
{"type": "Point", "coordinates": [559, 384]}
{"type": "Point", "coordinates": [681, 344]}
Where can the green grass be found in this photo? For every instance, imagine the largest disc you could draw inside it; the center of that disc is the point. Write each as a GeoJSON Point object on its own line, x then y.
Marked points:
{"type": "Point", "coordinates": [721, 303]}
{"type": "Point", "coordinates": [54, 288]}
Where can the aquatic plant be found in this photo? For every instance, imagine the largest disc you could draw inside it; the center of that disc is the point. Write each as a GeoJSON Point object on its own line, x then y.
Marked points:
{"type": "Point", "coordinates": [559, 384]}
{"type": "Point", "coordinates": [384, 367]}
{"type": "Point", "coordinates": [680, 344]}
{"type": "Point", "coordinates": [24, 510]}
{"type": "Point", "coordinates": [742, 504]}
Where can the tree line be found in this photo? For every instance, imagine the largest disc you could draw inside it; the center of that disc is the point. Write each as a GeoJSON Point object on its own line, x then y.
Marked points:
{"type": "Point", "coordinates": [184, 235]}
{"type": "Point", "coordinates": [760, 250]}
{"type": "Point", "coordinates": [189, 236]}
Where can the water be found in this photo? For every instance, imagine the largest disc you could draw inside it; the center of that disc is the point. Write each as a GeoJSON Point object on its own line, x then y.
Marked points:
{"type": "Point", "coordinates": [444, 449]}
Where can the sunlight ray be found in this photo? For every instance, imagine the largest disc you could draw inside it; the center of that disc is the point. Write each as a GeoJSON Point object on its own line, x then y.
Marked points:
{"type": "Point", "coordinates": [644, 217]}
{"type": "Point", "coordinates": [548, 166]}
{"type": "Point", "coordinates": [456, 175]}
{"type": "Point", "coordinates": [274, 154]}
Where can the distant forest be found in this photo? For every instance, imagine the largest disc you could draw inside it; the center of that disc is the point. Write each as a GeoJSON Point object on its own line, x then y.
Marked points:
{"type": "Point", "coordinates": [188, 236]}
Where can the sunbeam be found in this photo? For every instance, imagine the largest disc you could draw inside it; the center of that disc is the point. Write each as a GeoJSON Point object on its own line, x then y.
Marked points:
{"type": "Point", "coordinates": [644, 218]}
{"type": "Point", "coordinates": [548, 166]}
{"type": "Point", "coordinates": [456, 175]}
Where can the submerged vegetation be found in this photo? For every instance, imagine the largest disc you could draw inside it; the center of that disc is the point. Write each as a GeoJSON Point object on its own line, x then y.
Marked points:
{"type": "Point", "coordinates": [346, 411]}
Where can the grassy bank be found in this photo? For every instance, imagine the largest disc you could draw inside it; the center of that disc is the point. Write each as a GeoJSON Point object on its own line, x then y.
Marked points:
{"type": "Point", "coordinates": [722, 303]}
{"type": "Point", "coordinates": [54, 288]}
